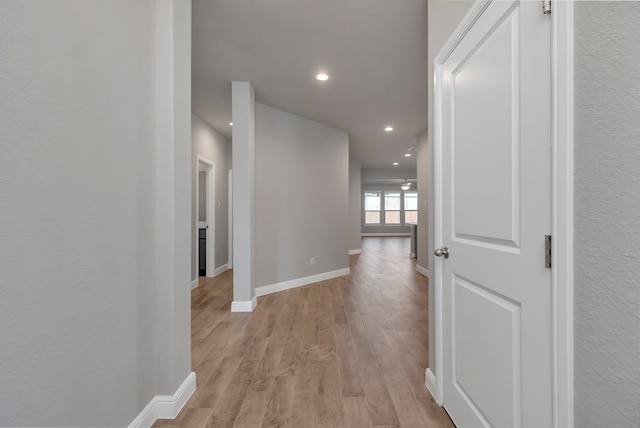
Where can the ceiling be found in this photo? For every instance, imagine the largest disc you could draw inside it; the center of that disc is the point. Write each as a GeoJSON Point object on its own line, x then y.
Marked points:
{"type": "Point", "coordinates": [375, 52]}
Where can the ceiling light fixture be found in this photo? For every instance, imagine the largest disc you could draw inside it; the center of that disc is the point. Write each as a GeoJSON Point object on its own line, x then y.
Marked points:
{"type": "Point", "coordinates": [395, 163]}
{"type": "Point", "coordinates": [406, 185]}
{"type": "Point", "coordinates": [407, 155]}
{"type": "Point", "coordinates": [322, 77]}
{"type": "Point", "coordinates": [388, 129]}
{"type": "Point", "coordinates": [230, 123]}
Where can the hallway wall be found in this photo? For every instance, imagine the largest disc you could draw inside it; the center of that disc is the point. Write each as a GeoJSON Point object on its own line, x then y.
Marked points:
{"type": "Point", "coordinates": [94, 163]}
{"type": "Point", "coordinates": [212, 145]}
{"type": "Point", "coordinates": [302, 197]}
{"type": "Point", "coordinates": [355, 205]}
{"type": "Point", "coordinates": [607, 214]}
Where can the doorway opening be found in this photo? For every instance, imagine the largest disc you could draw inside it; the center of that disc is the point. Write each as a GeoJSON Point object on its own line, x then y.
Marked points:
{"type": "Point", "coordinates": [205, 218]}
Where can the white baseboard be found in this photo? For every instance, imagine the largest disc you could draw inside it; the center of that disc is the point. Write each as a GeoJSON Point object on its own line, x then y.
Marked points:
{"type": "Point", "coordinates": [430, 383]}
{"type": "Point", "coordinates": [221, 269]}
{"type": "Point", "coordinates": [165, 406]}
{"type": "Point", "coordinates": [358, 251]}
{"type": "Point", "coordinates": [194, 284]}
{"type": "Point", "coordinates": [422, 270]}
{"type": "Point", "coordinates": [299, 282]}
{"type": "Point", "coordinates": [386, 234]}
{"type": "Point", "coordinates": [246, 305]}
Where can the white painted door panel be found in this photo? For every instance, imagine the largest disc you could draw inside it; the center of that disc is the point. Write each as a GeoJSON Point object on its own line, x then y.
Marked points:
{"type": "Point", "coordinates": [496, 210]}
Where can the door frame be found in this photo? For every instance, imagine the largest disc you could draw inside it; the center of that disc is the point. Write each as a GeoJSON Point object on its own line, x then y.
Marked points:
{"type": "Point", "coordinates": [211, 215]}
{"type": "Point", "coordinates": [230, 219]}
{"type": "Point", "coordinates": [561, 205]}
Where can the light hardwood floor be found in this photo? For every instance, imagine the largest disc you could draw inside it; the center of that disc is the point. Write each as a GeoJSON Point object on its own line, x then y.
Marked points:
{"type": "Point", "coordinates": [347, 352]}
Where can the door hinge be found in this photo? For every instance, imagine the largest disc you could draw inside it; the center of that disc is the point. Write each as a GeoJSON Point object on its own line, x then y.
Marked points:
{"type": "Point", "coordinates": [547, 251]}
{"type": "Point", "coordinates": [546, 6]}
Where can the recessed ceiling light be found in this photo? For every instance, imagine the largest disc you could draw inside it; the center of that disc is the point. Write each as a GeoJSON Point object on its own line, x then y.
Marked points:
{"type": "Point", "coordinates": [388, 129]}
{"type": "Point", "coordinates": [407, 155]}
{"type": "Point", "coordinates": [395, 163]}
{"type": "Point", "coordinates": [322, 77]}
{"type": "Point", "coordinates": [230, 123]}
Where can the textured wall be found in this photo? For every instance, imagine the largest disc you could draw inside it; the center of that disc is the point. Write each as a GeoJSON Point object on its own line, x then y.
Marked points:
{"type": "Point", "coordinates": [355, 205]}
{"type": "Point", "coordinates": [607, 214]}
{"type": "Point", "coordinates": [302, 197]}
{"type": "Point", "coordinates": [213, 146]}
{"type": "Point", "coordinates": [81, 103]}
{"type": "Point", "coordinates": [172, 164]}
{"type": "Point", "coordinates": [78, 225]}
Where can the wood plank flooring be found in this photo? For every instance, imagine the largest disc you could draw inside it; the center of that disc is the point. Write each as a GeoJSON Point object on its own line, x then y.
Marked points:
{"type": "Point", "coordinates": [347, 352]}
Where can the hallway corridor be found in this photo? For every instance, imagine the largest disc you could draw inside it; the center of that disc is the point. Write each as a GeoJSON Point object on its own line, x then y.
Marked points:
{"type": "Point", "coordinates": [347, 352]}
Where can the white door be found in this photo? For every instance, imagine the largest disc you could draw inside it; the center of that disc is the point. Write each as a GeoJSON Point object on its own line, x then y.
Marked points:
{"type": "Point", "coordinates": [496, 210]}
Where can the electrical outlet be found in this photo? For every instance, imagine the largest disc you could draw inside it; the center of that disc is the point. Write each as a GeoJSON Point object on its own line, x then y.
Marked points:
{"type": "Point", "coordinates": [312, 262]}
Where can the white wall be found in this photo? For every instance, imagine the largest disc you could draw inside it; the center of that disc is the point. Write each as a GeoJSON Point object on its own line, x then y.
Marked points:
{"type": "Point", "coordinates": [82, 96]}
{"type": "Point", "coordinates": [607, 214]}
{"type": "Point", "coordinates": [424, 173]}
{"type": "Point", "coordinates": [444, 17]}
{"type": "Point", "coordinates": [302, 197]}
{"type": "Point", "coordinates": [213, 146]}
{"type": "Point", "coordinates": [243, 105]}
{"type": "Point", "coordinates": [355, 205]}
{"type": "Point", "coordinates": [173, 183]}
{"type": "Point", "coordinates": [202, 196]}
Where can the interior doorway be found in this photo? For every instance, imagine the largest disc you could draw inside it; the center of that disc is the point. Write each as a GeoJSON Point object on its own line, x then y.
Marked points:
{"type": "Point", "coordinates": [205, 218]}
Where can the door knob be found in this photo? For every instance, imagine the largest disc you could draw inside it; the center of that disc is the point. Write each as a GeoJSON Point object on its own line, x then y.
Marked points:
{"type": "Point", "coordinates": [444, 251]}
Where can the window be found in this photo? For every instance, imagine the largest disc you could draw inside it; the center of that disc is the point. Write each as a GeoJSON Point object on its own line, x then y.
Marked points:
{"type": "Point", "coordinates": [371, 207]}
{"type": "Point", "coordinates": [391, 207]}
{"type": "Point", "coordinates": [411, 207]}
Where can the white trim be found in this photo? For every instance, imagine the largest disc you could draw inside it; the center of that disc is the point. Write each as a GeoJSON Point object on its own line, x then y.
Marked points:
{"type": "Point", "coordinates": [165, 406]}
{"type": "Point", "coordinates": [221, 269]}
{"type": "Point", "coordinates": [230, 219]}
{"type": "Point", "coordinates": [562, 206]}
{"type": "Point", "coordinates": [475, 11]}
{"type": "Point", "coordinates": [244, 306]}
{"type": "Point", "coordinates": [194, 284]}
{"type": "Point", "coordinates": [422, 270]}
{"type": "Point", "coordinates": [358, 251]}
{"type": "Point", "coordinates": [386, 234]}
{"type": "Point", "coordinates": [299, 282]}
{"type": "Point", "coordinates": [431, 383]}
{"type": "Point", "coordinates": [147, 417]}
{"type": "Point", "coordinates": [168, 406]}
